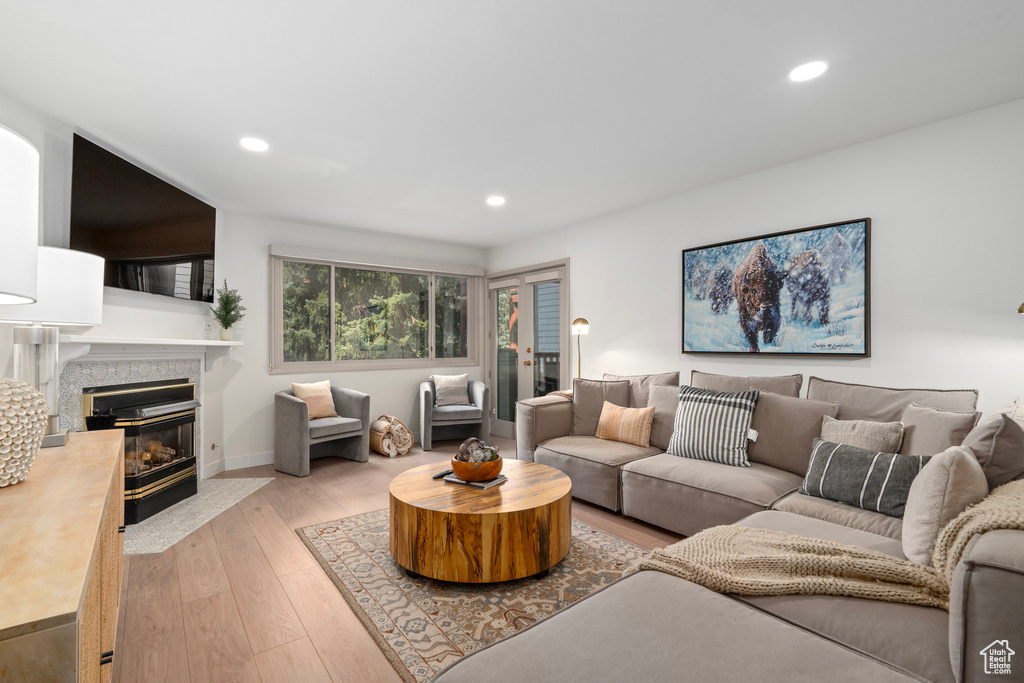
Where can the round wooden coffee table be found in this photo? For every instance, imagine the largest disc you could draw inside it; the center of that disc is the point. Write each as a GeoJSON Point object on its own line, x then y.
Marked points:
{"type": "Point", "coordinates": [454, 532]}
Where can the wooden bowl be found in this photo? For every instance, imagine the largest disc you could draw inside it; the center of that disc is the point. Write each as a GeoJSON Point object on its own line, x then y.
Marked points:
{"type": "Point", "coordinates": [476, 471]}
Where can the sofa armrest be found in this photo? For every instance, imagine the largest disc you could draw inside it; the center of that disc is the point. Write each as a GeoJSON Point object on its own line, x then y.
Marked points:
{"type": "Point", "coordinates": [986, 603]}
{"type": "Point", "coordinates": [480, 396]}
{"type": "Point", "coordinates": [291, 426]}
{"type": "Point", "coordinates": [426, 414]}
{"type": "Point", "coordinates": [350, 403]}
{"type": "Point", "coordinates": [540, 419]}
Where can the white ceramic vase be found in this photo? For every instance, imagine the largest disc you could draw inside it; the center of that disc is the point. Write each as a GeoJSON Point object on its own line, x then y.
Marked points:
{"type": "Point", "coordinates": [23, 416]}
{"type": "Point", "coordinates": [226, 334]}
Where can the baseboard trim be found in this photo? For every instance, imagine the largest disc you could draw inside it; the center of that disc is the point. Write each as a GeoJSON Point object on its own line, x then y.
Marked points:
{"type": "Point", "coordinates": [252, 460]}
{"type": "Point", "coordinates": [213, 468]}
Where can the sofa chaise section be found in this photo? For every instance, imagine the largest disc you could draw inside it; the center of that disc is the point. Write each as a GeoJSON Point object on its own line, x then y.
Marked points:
{"type": "Point", "coordinates": [656, 627]}
{"type": "Point", "coordinates": [911, 637]}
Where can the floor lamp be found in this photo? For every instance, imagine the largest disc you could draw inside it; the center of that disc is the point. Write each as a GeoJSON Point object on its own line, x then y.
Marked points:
{"type": "Point", "coordinates": [580, 326]}
{"type": "Point", "coordinates": [69, 292]}
{"type": "Point", "coordinates": [19, 218]}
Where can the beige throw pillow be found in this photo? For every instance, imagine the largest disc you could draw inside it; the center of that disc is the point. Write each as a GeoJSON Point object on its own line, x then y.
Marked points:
{"type": "Point", "coordinates": [881, 437]}
{"type": "Point", "coordinates": [451, 390]}
{"type": "Point", "coordinates": [927, 431]}
{"type": "Point", "coordinates": [998, 444]}
{"type": "Point", "coordinates": [949, 483]}
{"type": "Point", "coordinates": [311, 389]}
{"type": "Point", "coordinates": [317, 396]}
{"type": "Point", "coordinates": [628, 425]}
{"type": "Point", "coordinates": [588, 398]}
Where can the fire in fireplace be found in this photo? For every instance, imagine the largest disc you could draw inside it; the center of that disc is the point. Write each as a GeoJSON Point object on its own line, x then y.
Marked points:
{"type": "Point", "coordinates": [159, 420]}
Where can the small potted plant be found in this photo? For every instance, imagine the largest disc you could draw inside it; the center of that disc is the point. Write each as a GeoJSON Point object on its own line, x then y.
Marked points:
{"type": "Point", "coordinates": [228, 311]}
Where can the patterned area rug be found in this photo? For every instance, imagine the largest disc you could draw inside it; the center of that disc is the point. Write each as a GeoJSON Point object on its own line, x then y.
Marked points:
{"type": "Point", "coordinates": [423, 625]}
{"type": "Point", "coordinates": [167, 527]}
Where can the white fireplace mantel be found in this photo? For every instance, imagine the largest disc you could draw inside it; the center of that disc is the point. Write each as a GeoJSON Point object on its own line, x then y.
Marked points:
{"type": "Point", "coordinates": [74, 346]}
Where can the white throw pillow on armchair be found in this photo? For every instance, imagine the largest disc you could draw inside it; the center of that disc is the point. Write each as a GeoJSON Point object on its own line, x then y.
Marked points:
{"type": "Point", "coordinates": [451, 390]}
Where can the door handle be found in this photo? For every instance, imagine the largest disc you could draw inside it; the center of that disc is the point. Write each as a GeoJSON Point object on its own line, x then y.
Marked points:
{"type": "Point", "coordinates": [526, 362]}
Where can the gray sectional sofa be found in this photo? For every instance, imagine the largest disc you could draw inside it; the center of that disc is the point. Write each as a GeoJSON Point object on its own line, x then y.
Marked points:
{"type": "Point", "coordinates": [652, 626]}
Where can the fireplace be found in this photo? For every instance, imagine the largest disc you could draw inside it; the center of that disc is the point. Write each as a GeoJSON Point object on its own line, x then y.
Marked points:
{"type": "Point", "coordinates": [159, 420]}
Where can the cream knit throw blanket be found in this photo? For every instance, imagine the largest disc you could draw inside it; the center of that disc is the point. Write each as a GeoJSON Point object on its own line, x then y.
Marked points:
{"type": "Point", "coordinates": [745, 561]}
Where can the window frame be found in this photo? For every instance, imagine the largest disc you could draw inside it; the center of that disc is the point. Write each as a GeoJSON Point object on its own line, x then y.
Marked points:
{"type": "Point", "coordinates": [278, 256]}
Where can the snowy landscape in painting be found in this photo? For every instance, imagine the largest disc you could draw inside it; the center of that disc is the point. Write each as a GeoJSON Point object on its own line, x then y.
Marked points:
{"type": "Point", "coordinates": [801, 292]}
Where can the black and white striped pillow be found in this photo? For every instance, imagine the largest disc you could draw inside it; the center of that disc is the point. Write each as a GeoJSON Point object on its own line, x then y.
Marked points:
{"type": "Point", "coordinates": [857, 476]}
{"type": "Point", "coordinates": [713, 425]}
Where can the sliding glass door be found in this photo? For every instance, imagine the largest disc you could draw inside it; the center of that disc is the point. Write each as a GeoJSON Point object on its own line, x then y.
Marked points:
{"type": "Point", "coordinates": [526, 340]}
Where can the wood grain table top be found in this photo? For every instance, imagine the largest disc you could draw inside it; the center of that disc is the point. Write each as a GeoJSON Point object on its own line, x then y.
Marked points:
{"type": "Point", "coordinates": [49, 529]}
{"type": "Point", "coordinates": [529, 485]}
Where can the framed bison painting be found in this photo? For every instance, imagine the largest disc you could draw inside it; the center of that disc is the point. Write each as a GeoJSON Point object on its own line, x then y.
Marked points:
{"type": "Point", "coordinates": [801, 292]}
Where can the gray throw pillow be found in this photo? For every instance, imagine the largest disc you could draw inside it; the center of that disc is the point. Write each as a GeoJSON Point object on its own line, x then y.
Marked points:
{"type": "Point", "coordinates": [946, 486]}
{"type": "Point", "coordinates": [588, 397]}
{"type": "Point", "coordinates": [866, 479]}
{"type": "Point", "coordinates": [998, 444]}
{"type": "Point", "coordinates": [451, 390]}
{"type": "Point", "coordinates": [927, 431]}
{"type": "Point", "coordinates": [665, 400]}
{"type": "Point", "coordinates": [786, 427]}
{"type": "Point", "coordinates": [883, 437]}
{"type": "Point", "coordinates": [640, 385]}
{"type": "Point", "coordinates": [785, 385]}
{"type": "Point", "coordinates": [713, 425]}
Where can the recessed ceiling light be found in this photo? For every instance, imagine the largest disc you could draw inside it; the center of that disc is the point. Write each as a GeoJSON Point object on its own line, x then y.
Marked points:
{"type": "Point", "coordinates": [254, 144]}
{"type": "Point", "coordinates": [495, 200]}
{"type": "Point", "coordinates": [806, 72]}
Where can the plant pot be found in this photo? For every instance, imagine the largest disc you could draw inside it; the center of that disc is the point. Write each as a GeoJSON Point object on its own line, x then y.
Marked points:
{"type": "Point", "coordinates": [226, 334]}
{"type": "Point", "coordinates": [476, 471]}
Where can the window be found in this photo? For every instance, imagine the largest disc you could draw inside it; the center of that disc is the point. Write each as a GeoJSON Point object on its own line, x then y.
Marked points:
{"type": "Point", "coordinates": [334, 315]}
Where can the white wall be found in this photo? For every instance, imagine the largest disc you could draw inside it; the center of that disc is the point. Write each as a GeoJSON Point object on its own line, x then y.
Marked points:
{"type": "Point", "coordinates": [947, 274]}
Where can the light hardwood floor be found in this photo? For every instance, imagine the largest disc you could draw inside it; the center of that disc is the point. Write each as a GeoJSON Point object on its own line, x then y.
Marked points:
{"type": "Point", "coordinates": [241, 599]}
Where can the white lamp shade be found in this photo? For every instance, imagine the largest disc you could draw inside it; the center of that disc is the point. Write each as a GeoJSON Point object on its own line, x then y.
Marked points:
{"type": "Point", "coordinates": [19, 218]}
{"type": "Point", "coordinates": [70, 290]}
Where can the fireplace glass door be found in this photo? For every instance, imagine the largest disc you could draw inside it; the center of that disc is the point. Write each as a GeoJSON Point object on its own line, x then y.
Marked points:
{"type": "Point", "coordinates": [160, 445]}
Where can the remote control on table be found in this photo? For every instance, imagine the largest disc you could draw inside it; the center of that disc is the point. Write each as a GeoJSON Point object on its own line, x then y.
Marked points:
{"type": "Point", "coordinates": [444, 473]}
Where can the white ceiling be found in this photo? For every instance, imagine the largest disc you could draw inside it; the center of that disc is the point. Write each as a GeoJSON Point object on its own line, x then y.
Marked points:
{"type": "Point", "coordinates": [401, 116]}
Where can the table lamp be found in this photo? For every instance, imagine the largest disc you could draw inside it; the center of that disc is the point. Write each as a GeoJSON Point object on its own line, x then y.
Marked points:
{"type": "Point", "coordinates": [70, 292]}
{"type": "Point", "coordinates": [580, 326]}
{"type": "Point", "coordinates": [19, 218]}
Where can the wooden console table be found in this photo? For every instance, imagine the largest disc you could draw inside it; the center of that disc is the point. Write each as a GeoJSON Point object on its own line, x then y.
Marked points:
{"type": "Point", "coordinates": [60, 562]}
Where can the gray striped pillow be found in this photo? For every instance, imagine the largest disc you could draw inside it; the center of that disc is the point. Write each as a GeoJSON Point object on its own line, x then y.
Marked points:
{"type": "Point", "coordinates": [712, 425]}
{"type": "Point", "coordinates": [856, 476]}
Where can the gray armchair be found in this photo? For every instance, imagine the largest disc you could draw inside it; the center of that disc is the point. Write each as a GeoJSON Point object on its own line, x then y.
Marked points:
{"type": "Point", "coordinates": [442, 418]}
{"type": "Point", "coordinates": [297, 439]}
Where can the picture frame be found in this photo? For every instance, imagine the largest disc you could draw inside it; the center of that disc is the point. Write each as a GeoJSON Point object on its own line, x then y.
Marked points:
{"type": "Point", "coordinates": [803, 292]}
